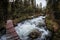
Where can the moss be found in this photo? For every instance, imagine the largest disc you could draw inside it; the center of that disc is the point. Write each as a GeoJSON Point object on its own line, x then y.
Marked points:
{"type": "Point", "coordinates": [49, 24]}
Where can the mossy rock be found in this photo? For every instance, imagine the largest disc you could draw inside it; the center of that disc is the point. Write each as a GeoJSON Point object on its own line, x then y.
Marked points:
{"type": "Point", "coordinates": [35, 34]}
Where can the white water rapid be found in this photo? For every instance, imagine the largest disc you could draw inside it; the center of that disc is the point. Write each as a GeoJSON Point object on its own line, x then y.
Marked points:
{"type": "Point", "coordinates": [24, 28]}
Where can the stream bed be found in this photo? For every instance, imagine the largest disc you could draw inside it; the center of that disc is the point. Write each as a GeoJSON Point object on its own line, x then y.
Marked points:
{"type": "Point", "coordinates": [32, 29]}
{"type": "Point", "coordinates": [27, 27]}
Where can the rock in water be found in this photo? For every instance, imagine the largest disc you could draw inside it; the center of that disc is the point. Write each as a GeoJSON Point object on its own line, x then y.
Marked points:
{"type": "Point", "coordinates": [35, 34]}
{"type": "Point", "coordinates": [10, 31]}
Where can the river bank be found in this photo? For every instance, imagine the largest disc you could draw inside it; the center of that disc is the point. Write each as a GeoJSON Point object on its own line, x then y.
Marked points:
{"type": "Point", "coordinates": [24, 17]}
{"type": "Point", "coordinates": [49, 22]}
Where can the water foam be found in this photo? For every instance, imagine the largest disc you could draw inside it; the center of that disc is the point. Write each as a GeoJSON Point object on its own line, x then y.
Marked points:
{"type": "Point", "coordinates": [23, 29]}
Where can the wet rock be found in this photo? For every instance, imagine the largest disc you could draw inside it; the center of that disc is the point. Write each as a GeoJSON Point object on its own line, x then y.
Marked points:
{"type": "Point", "coordinates": [35, 34]}
{"type": "Point", "coordinates": [10, 31]}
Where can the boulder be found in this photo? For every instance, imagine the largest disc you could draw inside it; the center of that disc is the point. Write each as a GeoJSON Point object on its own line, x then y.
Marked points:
{"type": "Point", "coordinates": [35, 34]}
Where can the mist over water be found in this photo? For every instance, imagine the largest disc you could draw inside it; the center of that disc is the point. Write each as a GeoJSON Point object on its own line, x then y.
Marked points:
{"type": "Point", "coordinates": [24, 28]}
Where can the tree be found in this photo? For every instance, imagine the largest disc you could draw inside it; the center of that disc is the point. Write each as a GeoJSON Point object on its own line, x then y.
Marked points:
{"type": "Point", "coordinates": [53, 5]}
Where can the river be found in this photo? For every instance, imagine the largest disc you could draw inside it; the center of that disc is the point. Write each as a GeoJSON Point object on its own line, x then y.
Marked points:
{"type": "Point", "coordinates": [26, 27]}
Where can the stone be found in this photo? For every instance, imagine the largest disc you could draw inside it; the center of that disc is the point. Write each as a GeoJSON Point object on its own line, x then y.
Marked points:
{"type": "Point", "coordinates": [35, 34]}
{"type": "Point", "coordinates": [10, 30]}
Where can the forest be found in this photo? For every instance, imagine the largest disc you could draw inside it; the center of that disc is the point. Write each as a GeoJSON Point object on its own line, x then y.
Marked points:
{"type": "Point", "coordinates": [19, 10]}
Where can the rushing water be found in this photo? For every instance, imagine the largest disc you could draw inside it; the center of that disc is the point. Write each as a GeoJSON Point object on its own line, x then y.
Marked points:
{"type": "Point", "coordinates": [24, 28]}
{"type": "Point", "coordinates": [3, 37]}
